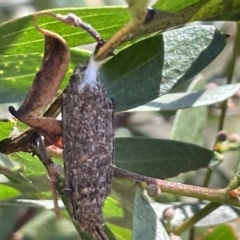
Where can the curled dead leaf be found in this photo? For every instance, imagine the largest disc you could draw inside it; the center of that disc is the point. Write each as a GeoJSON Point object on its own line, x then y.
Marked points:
{"type": "Point", "coordinates": [45, 85]}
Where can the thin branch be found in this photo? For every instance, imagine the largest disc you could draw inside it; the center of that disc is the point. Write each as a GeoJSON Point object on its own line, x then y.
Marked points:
{"type": "Point", "coordinates": [229, 71]}
{"type": "Point", "coordinates": [53, 170]}
{"type": "Point", "coordinates": [21, 142]}
{"type": "Point", "coordinates": [75, 21]}
{"type": "Point", "coordinates": [211, 194]}
{"type": "Point", "coordinates": [196, 217]}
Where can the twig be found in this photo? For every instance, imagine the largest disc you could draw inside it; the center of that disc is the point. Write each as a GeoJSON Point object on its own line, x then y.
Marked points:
{"type": "Point", "coordinates": [53, 170]}
{"type": "Point", "coordinates": [211, 194]}
{"type": "Point", "coordinates": [23, 141]}
{"type": "Point", "coordinates": [118, 37]}
{"type": "Point", "coordinates": [196, 217]}
{"type": "Point", "coordinates": [75, 21]}
{"type": "Point", "coordinates": [229, 71]}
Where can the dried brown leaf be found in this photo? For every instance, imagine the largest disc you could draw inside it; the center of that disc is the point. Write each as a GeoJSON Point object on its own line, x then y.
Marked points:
{"type": "Point", "coordinates": [45, 85]}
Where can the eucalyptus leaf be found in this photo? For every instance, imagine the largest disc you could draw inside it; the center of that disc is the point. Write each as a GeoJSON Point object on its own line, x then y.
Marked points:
{"type": "Point", "coordinates": [188, 51]}
{"type": "Point", "coordinates": [175, 101]}
{"type": "Point", "coordinates": [132, 83]}
{"type": "Point", "coordinates": [8, 164]}
{"type": "Point", "coordinates": [17, 73]}
{"type": "Point", "coordinates": [20, 37]}
{"type": "Point", "coordinates": [198, 10]}
{"type": "Point", "coordinates": [30, 164]}
{"type": "Point", "coordinates": [7, 192]}
{"type": "Point", "coordinates": [189, 11]}
{"type": "Point", "coordinates": [159, 158]}
{"type": "Point", "coordinates": [119, 232]}
{"type": "Point", "coordinates": [146, 224]}
{"type": "Point", "coordinates": [118, 208]}
{"type": "Point", "coordinates": [133, 77]}
{"type": "Point", "coordinates": [6, 128]}
{"type": "Point", "coordinates": [39, 188]}
{"type": "Point", "coordinates": [189, 124]}
{"type": "Point", "coordinates": [32, 179]}
{"type": "Point", "coordinates": [10, 217]}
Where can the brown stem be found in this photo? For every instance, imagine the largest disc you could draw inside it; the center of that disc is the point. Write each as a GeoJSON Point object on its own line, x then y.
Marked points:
{"type": "Point", "coordinates": [210, 194]}
{"type": "Point", "coordinates": [23, 141]}
{"type": "Point", "coordinates": [52, 169]}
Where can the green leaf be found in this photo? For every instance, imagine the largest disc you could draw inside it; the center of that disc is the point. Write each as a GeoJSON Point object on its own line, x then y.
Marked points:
{"type": "Point", "coordinates": [188, 51]}
{"type": "Point", "coordinates": [194, 117]}
{"type": "Point", "coordinates": [118, 208]}
{"type": "Point", "coordinates": [8, 164]}
{"type": "Point", "coordinates": [190, 11]}
{"type": "Point", "coordinates": [198, 10]}
{"type": "Point", "coordinates": [175, 101]}
{"type": "Point", "coordinates": [20, 37]}
{"type": "Point", "coordinates": [40, 226]}
{"type": "Point", "coordinates": [6, 128]}
{"type": "Point", "coordinates": [10, 216]}
{"type": "Point", "coordinates": [34, 184]}
{"type": "Point", "coordinates": [119, 232]}
{"type": "Point", "coordinates": [39, 188]}
{"type": "Point", "coordinates": [31, 164]}
{"type": "Point", "coordinates": [221, 232]}
{"type": "Point", "coordinates": [7, 192]}
{"type": "Point", "coordinates": [131, 83]}
{"type": "Point", "coordinates": [17, 73]}
{"type": "Point", "coordinates": [32, 179]}
{"type": "Point", "coordinates": [132, 77]}
{"type": "Point", "coordinates": [146, 224]}
{"type": "Point", "coordinates": [159, 158]}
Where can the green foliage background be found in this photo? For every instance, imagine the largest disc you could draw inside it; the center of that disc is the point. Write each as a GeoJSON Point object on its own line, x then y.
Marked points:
{"type": "Point", "coordinates": [174, 57]}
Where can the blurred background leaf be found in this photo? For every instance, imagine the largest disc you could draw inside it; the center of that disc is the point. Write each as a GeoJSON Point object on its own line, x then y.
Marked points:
{"type": "Point", "coordinates": [6, 128]}
{"type": "Point", "coordinates": [7, 164]}
{"type": "Point", "coordinates": [159, 158]}
{"type": "Point", "coordinates": [146, 224]}
{"type": "Point", "coordinates": [204, 97]}
{"type": "Point", "coordinates": [193, 117]}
